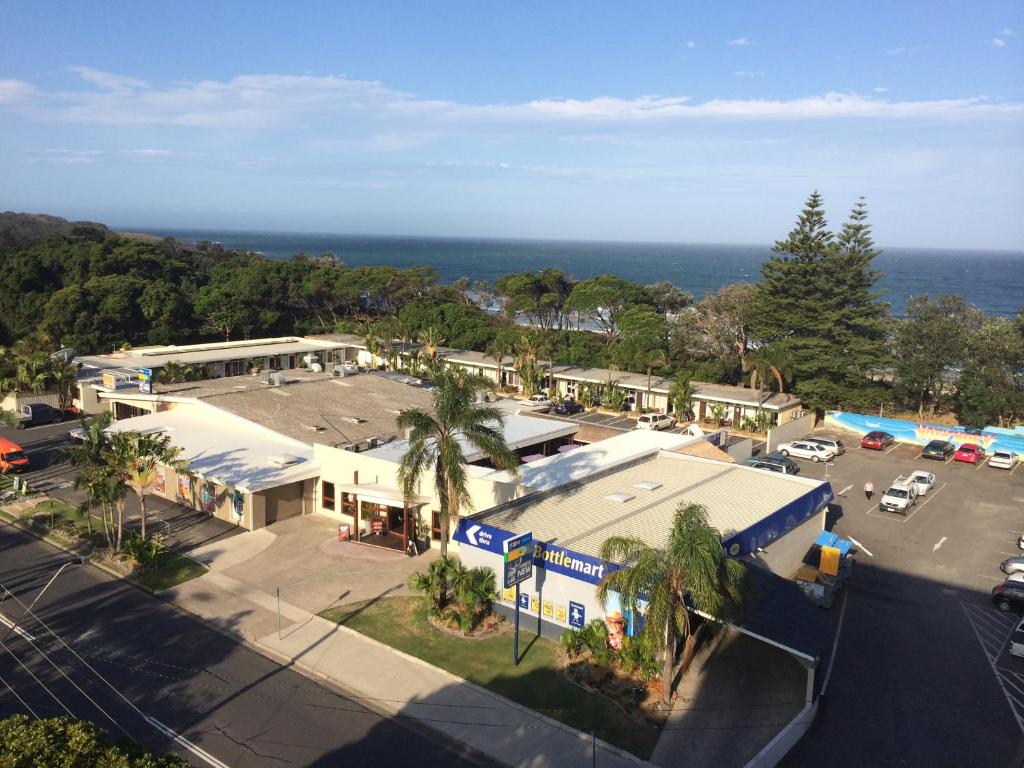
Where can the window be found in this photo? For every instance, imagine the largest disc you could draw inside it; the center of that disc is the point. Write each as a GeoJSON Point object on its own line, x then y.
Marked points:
{"type": "Point", "coordinates": [435, 526]}
{"type": "Point", "coordinates": [327, 500]}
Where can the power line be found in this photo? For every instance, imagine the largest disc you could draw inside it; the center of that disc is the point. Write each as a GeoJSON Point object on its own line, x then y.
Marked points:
{"type": "Point", "coordinates": [32, 675]}
{"type": "Point", "coordinates": [15, 694]}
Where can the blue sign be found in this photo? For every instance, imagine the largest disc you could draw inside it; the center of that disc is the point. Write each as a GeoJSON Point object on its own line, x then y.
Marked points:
{"type": "Point", "coordinates": [572, 564]}
{"type": "Point", "coordinates": [577, 615]}
{"type": "Point", "coordinates": [482, 536]}
{"type": "Point", "coordinates": [764, 532]}
{"type": "Point", "coordinates": [524, 600]}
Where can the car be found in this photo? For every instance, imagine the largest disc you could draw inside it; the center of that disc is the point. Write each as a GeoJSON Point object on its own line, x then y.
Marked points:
{"type": "Point", "coordinates": [771, 466]}
{"type": "Point", "coordinates": [792, 468]}
{"type": "Point", "coordinates": [900, 496]}
{"type": "Point", "coordinates": [12, 457]}
{"type": "Point", "coordinates": [836, 446]}
{"type": "Point", "coordinates": [970, 453]}
{"type": "Point", "coordinates": [1012, 565]}
{"type": "Point", "coordinates": [1009, 596]}
{"type": "Point", "coordinates": [877, 441]}
{"type": "Point", "coordinates": [938, 449]}
{"type": "Point", "coordinates": [37, 414]}
{"type": "Point", "coordinates": [655, 421]}
{"type": "Point", "coordinates": [806, 450]}
{"type": "Point", "coordinates": [567, 408]}
{"type": "Point", "coordinates": [1017, 640]}
{"type": "Point", "coordinates": [1003, 459]}
{"type": "Point", "coordinates": [76, 435]}
{"type": "Point", "coordinates": [924, 481]}
{"type": "Point", "coordinates": [540, 402]}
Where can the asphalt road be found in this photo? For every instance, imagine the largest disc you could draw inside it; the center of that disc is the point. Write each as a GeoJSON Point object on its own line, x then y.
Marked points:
{"type": "Point", "coordinates": [152, 661]}
{"type": "Point", "coordinates": [922, 676]}
{"type": "Point", "coordinates": [43, 445]}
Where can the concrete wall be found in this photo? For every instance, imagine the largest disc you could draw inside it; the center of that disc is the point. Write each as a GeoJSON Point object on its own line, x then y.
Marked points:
{"type": "Point", "coordinates": [793, 429]}
{"type": "Point", "coordinates": [740, 450]}
{"type": "Point", "coordinates": [784, 555]}
{"type": "Point", "coordinates": [190, 493]}
{"type": "Point", "coordinates": [786, 739]}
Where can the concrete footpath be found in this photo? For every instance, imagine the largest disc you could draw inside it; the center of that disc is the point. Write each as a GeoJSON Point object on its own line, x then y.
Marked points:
{"type": "Point", "coordinates": [391, 682]}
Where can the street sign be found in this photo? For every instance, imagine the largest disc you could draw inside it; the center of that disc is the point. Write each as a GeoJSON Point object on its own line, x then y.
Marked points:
{"type": "Point", "coordinates": [518, 559]}
{"type": "Point", "coordinates": [577, 615]}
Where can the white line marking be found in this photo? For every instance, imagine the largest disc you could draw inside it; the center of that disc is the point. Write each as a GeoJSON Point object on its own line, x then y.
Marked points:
{"type": "Point", "coordinates": [895, 446]}
{"type": "Point", "coordinates": [981, 464]}
{"type": "Point", "coordinates": [17, 630]}
{"type": "Point", "coordinates": [835, 645]}
{"type": "Point", "coordinates": [202, 754]}
{"type": "Point", "coordinates": [939, 543]}
{"type": "Point", "coordinates": [993, 578]}
{"type": "Point", "coordinates": [1016, 467]}
{"type": "Point", "coordinates": [951, 458]}
{"type": "Point", "coordinates": [862, 548]}
{"type": "Point", "coordinates": [999, 677]}
{"type": "Point", "coordinates": [845, 491]}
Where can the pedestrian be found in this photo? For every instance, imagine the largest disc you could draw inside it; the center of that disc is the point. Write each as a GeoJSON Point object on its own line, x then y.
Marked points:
{"type": "Point", "coordinates": [869, 490]}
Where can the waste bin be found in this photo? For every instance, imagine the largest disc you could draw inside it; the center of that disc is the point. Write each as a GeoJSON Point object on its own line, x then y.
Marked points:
{"type": "Point", "coordinates": [343, 533]}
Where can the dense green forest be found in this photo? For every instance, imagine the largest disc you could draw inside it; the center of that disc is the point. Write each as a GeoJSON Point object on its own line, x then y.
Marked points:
{"type": "Point", "coordinates": [814, 325]}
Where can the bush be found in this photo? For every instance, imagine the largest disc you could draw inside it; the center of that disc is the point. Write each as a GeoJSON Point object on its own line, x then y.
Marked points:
{"type": "Point", "coordinates": [145, 552]}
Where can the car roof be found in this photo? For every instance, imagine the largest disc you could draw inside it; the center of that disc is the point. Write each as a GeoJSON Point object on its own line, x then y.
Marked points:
{"type": "Point", "coordinates": [969, 446]}
{"type": "Point", "coordinates": [1016, 578]}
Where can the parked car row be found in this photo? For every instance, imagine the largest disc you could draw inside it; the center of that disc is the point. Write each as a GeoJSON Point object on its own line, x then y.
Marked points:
{"type": "Point", "coordinates": [941, 450]}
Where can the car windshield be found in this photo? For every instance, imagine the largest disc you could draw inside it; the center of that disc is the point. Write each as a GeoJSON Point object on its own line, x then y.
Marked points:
{"type": "Point", "coordinates": [15, 456]}
{"type": "Point", "coordinates": [897, 493]}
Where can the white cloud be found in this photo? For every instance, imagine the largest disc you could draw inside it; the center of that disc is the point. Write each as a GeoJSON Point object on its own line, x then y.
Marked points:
{"type": "Point", "coordinates": [880, 89]}
{"type": "Point", "coordinates": [1006, 32]}
{"type": "Point", "coordinates": [691, 44]}
{"type": "Point", "coordinates": [741, 41]}
{"type": "Point", "coordinates": [998, 43]}
{"type": "Point", "coordinates": [12, 91]}
{"type": "Point", "coordinates": [905, 50]}
{"type": "Point", "coordinates": [382, 119]}
{"type": "Point", "coordinates": [108, 80]}
{"type": "Point", "coordinates": [748, 73]}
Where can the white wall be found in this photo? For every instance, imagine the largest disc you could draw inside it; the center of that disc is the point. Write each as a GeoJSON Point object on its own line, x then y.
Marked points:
{"type": "Point", "coordinates": [791, 430]}
{"type": "Point", "coordinates": [784, 555]}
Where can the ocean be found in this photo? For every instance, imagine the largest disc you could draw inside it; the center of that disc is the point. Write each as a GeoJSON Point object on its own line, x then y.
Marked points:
{"type": "Point", "coordinates": [993, 281]}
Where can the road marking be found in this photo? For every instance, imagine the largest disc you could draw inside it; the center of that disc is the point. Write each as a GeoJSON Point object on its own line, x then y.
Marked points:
{"type": "Point", "coordinates": [1016, 467]}
{"type": "Point", "coordinates": [981, 463]}
{"type": "Point", "coordinates": [894, 447]}
{"type": "Point", "coordinates": [939, 543]}
{"type": "Point", "coordinates": [17, 630]}
{"type": "Point", "coordinates": [951, 458]}
{"type": "Point", "coordinates": [202, 754]}
{"type": "Point", "coordinates": [845, 491]}
{"type": "Point", "coordinates": [991, 655]}
{"type": "Point", "coordinates": [862, 548]}
{"type": "Point", "coordinates": [993, 578]}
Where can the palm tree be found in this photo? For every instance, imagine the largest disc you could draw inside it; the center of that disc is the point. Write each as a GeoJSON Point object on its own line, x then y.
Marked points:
{"type": "Point", "coordinates": [680, 394]}
{"type": "Point", "coordinates": [691, 566]}
{"type": "Point", "coordinates": [174, 372]}
{"type": "Point", "coordinates": [65, 376]}
{"type": "Point", "coordinates": [434, 447]}
{"type": "Point", "coordinates": [656, 358]}
{"type": "Point", "coordinates": [501, 347]}
{"type": "Point", "coordinates": [34, 373]}
{"type": "Point", "coordinates": [136, 457]}
{"type": "Point", "coordinates": [387, 330]}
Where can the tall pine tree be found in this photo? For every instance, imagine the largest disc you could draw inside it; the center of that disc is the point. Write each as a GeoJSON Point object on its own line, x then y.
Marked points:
{"type": "Point", "coordinates": [817, 307]}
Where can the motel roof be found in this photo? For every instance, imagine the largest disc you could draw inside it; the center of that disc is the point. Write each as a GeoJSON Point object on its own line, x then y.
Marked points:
{"type": "Point", "coordinates": [158, 356]}
{"type": "Point", "coordinates": [640, 499]}
{"type": "Point", "coordinates": [229, 450]}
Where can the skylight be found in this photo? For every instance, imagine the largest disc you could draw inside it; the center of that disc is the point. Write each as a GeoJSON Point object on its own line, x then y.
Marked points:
{"type": "Point", "coordinates": [620, 497]}
{"type": "Point", "coordinates": [647, 485]}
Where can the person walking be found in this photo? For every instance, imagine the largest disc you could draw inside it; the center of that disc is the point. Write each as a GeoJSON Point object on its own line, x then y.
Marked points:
{"type": "Point", "coordinates": [869, 490]}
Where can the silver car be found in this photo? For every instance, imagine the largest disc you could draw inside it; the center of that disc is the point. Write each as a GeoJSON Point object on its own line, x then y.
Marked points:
{"type": "Point", "coordinates": [1012, 565]}
{"type": "Point", "coordinates": [836, 446]}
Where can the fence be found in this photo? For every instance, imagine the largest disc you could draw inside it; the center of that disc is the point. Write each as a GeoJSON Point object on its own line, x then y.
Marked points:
{"type": "Point", "coordinates": [791, 430]}
{"type": "Point", "coordinates": [15, 400]}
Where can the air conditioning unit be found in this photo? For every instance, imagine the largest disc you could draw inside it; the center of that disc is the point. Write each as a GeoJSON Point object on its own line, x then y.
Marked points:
{"type": "Point", "coordinates": [277, 379]}
{"type": "Point", "coordinates": [310, 359]}
{"type": "Point", "coordinates": [283, 460]}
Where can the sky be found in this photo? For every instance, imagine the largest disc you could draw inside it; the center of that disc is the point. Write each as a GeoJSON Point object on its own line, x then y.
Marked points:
{"type": "Point", "coordinates": [605, 121]}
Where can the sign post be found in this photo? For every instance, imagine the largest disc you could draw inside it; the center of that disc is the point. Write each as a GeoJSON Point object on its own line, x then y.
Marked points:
{"type": "Point", "coordinates": [518, 552]}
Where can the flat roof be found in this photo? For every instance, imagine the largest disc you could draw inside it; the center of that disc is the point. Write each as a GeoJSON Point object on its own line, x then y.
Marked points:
{"type": "Point", "coordinates": [581, 515]}
{"type": "Point", "coordinates": [520, 431]}
{"type": "Point", "coordinates": [157, 356]}
{"type": "Point", "coordinates": [226, 449]}
{"type": "Point", "coordinates": [310, 407]}
{"type": "Point", "coordinates": [774, 401]}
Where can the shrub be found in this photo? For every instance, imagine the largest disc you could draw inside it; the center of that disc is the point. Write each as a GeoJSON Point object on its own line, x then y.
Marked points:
{"type": "Point", "coordinates": [145, 552]}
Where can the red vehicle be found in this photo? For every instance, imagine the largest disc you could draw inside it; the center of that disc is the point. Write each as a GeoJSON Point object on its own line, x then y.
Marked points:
{"type": "Point", "coordinates": [969, 452]}
{"type": "Point", "coordinates": [877, 441]}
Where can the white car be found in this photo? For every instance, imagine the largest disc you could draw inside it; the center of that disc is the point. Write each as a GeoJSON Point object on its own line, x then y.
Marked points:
{"type": "Point", "coordinates": [540, 402]}
{"type": "Point", "coordinates": [806, 450]}
{"type": "Point", "coordinates": [1003, 459]}
{"type": "Point", "coordinates": [655, 421]}
{"type": "Point", "coordinates": [1017, 640]}
{"type": "Point", "coordinates": [924, 481]}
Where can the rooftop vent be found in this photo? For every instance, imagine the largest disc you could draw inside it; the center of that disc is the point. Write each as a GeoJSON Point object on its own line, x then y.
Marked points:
{"type": "Point", "coordinates": [622, 498]}
{"type": "Point", "coordinates": [647, 485]}
{"type": "Point", "coordinates": [283, 460]}
{"type": "Point", "coordinates": [277, 379]}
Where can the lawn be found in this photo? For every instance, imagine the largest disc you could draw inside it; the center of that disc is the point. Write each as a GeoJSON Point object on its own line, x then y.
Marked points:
{"type": "Point", "coordinates": [55, 510]}
{"type": "Point", "coordinates": [538, 682]}
{"type": "Point", "coordinates": [171, 570]}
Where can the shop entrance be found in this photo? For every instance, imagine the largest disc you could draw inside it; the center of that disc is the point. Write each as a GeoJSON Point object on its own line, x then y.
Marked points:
{"type": "Point", "coordinates": [387, 525]}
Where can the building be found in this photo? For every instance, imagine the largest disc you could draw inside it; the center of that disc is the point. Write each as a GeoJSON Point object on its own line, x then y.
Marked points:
{"type": "Point", "coordinates": [130, 368]}
{"type": "Point", "coordinates": [768, 518]}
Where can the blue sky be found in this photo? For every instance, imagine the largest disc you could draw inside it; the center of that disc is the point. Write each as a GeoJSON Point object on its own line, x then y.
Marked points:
{"type": "Point", "coordinates": [624, 121]}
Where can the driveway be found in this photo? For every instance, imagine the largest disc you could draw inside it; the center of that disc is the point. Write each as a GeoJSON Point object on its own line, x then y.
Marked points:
{"type": "Point", "coordinates": [313, 570]}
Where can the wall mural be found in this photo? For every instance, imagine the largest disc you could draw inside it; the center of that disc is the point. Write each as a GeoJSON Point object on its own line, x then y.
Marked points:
{"type": "Point", "coordinates": [921, 433]}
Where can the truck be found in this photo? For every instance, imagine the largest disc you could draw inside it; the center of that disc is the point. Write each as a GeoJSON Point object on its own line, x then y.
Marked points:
{"type": "Point", "coordinates": [900, 497]}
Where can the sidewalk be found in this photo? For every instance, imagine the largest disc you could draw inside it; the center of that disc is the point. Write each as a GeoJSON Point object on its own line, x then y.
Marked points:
{"type": "Point", "coordinates": [391, 682]}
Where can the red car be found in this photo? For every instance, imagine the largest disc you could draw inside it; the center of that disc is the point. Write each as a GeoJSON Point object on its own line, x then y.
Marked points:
{"type": "Point", "coordinates": [969, 452]}
{"type": "Point", "coordinates": [877, 441]}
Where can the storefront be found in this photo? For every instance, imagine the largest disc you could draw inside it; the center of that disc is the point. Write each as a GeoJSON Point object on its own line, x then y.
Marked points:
{"type": "Point", "coordinates": [377, 515]}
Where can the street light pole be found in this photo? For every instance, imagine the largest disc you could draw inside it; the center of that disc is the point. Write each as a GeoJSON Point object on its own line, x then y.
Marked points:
{"type": "Point", "coordinates": [79, 560]}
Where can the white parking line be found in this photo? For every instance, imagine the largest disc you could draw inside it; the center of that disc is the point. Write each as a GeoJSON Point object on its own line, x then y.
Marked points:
{"type": "Point", "coordinates": [993, 578]}
{"type": "Point", "coordinates": [904, 519]}
{"type": "Point", "coordinates": [981, 463]}
{"type": "Point", "coordinates": [894, 447]}
{"type": "Point", "coordinates": [1016, 467]}
{"type": "Point", "coordinates": [861, 547]}
{"type": "Point", "coordinates": [951, 458]}
{"type": "Point", "coordinates": [1010, 700]}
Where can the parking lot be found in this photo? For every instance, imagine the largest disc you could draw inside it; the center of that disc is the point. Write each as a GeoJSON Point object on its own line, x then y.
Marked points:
{"type": "Point", "coordinates": [622, 421]}
{"type": "Point", "coordinates": [922, 673]}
